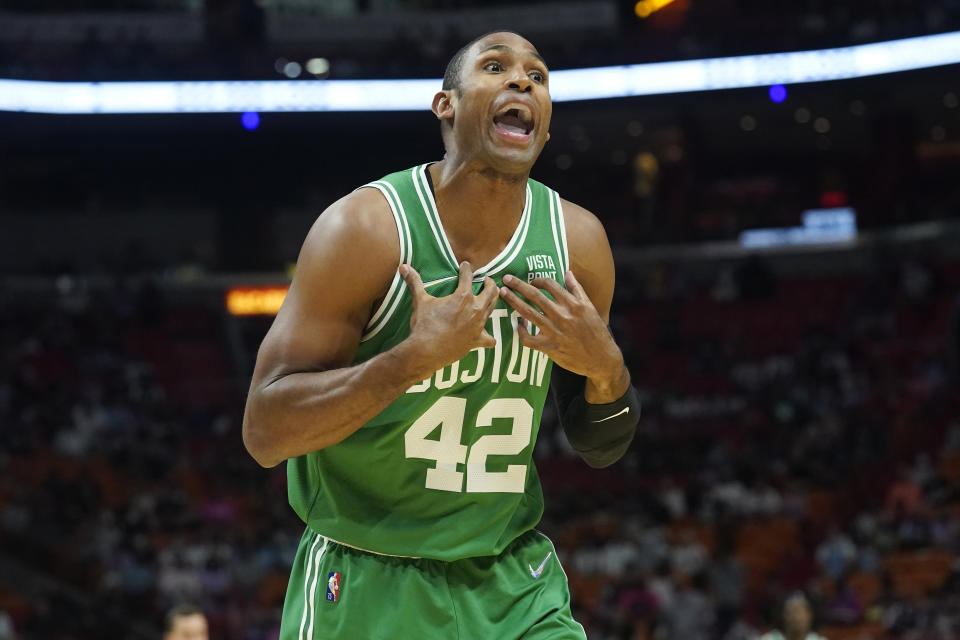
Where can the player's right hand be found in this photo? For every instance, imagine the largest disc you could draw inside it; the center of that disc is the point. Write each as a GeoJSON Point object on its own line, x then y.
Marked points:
{"type": "Point", "coordinates": [448, 328]}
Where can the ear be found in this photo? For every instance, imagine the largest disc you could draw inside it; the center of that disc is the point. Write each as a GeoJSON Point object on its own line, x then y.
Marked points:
{"type": "Point", "coordinates": [442, 106]}
{"type": "Point", "coordinates": [548, 136]}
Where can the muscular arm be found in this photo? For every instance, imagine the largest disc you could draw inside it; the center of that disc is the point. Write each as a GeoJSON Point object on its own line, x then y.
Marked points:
{"type": "Point", "coordinates": [598, 407]}
{"type": "Point", "coordinates": [592, 263]}
{"type": "Point", "coordinates": [582, 401]}
{"type": "Point", "coordinates": [303, 395]}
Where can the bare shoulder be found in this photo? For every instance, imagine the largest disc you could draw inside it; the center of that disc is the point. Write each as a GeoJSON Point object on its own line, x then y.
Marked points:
{"type": "Point", "coordinates": [347, 261]}
{"type": "Point", "coordinates": [590, 257]}
{"type": "Point", "coordinates": [582, 225]}
{"type": "Point", "coordinates": [362, 217]}
{"type": "Point", "coordinates": [354, 244]}
{"type": "Point", "coordinates": [586, 239]}
{"type": "Point", "coordinates": [345, 266]}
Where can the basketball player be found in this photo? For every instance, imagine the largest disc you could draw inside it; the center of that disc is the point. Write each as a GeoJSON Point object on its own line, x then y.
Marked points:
{"type": "Point", "coordinates": [405, 376]}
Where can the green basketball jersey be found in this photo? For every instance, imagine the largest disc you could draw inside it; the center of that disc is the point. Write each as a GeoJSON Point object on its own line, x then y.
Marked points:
{"type": "Point", "coordinates": [445, 471]}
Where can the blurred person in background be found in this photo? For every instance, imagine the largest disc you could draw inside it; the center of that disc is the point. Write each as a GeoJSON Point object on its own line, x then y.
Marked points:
{"type": "Point", "coordinates": [186, 622]}
{"type": "Point", "coordinates": [6, 627]}
{"type": "Point", "coordinates": [727, 579]}
{"type": "Point", "coordinates": [836, 554]}
{"type": "Point", "coordinates": [689, 614]}
{"type": "Point", "coordinates": [797, 621]}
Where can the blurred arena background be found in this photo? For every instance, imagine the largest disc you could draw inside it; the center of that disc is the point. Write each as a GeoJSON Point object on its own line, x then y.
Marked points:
{"type": "Point", "coordinates": [802, 415]}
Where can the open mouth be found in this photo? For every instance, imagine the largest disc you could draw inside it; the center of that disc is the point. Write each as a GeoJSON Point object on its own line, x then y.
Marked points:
{"type": "Point", "coordinates": [514, 121]}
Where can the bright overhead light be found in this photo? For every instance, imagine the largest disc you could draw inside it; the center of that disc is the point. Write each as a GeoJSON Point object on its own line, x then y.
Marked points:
{"type": "Point", "coordinates": [292, 69]}
{"type": "Point", "coordinates": [644, 8]}
{"type": "Point", "coordinates": [415, 95]}
{"type": "Point", "coordinates": [318, 66]}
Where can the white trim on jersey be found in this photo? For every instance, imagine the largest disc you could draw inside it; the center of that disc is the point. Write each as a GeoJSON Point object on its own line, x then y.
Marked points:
{"type": "Point", "coordinates": [554, 225]}
{"type": "Point", "coordinates": [313, 565]}
{"type": "Point", "coordinates": [565, 256]}
{"type": "Point", "coordinates": [386, 317]}
{"type": "Point", "coordinates": [516, 242]}
{"type": "Point", "coordinates": [389, 304]}
{"type": "Point", "coordinates": [404, 245]}
{"type": "Point", "coordinates": [433, 218]}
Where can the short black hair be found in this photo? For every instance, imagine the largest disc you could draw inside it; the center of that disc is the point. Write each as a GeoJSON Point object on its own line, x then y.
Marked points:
{"type": "Point", "coordinates": [179, 611]}
{"type": "Point", "coordinates": [796, 596]}
{"type": "Point", "coordinates": [451, 77]}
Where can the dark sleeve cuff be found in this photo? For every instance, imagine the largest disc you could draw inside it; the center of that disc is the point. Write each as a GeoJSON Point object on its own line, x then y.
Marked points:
{"type": "Point", "coordinates": [602, 433]}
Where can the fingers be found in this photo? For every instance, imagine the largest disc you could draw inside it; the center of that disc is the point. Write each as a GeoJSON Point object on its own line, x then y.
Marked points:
{"type": "Point", "coordinates": [486, 340]}
{"type": "Point", "coordinates": [525, 310]}
{"type": "Point", "coordinates": [532, 291]}
{"type": "Point", "coordinates": [537, 342]}
{"type": "Point", "coordinates": [412, 277]}
{"type": "Point", "coordinates": [414, 283]}
{"type": "Point", "coordinates": [465, 285]}
{"type": "Point", "coordinates": [490, 295]}
{"type": "Point", "coordinates": [573, 285]}
{"type": "Point", "coordinates": [553, 287]}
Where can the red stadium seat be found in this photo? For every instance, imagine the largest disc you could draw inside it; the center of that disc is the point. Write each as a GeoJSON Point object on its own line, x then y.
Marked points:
{"type": "Point", "coordinates": [919, 573]}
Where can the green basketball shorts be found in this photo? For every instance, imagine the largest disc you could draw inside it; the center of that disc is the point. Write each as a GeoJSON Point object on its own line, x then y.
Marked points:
{"type": "Point", "coordinates": [338, 592]}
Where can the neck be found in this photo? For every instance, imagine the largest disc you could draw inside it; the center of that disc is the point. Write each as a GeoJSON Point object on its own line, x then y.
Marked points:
{"type": "Point", "coordinates": [479, 206]}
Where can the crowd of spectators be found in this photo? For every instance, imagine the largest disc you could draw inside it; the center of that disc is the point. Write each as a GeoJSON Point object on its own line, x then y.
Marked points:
{"type": "Point", "coordinates": [798, 434]}
{"type": "Point", "coordinates": [808, 441]}
{"type": "Point", "coordinates": [132, 497]}
{"type": "Point", "coordinates": [822, 457]}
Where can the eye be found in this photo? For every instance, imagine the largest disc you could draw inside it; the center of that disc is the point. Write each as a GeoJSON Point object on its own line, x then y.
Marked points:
{"type": "Point", "coordinates": [537, 76]}
{"type": "Point", "coordinates": [493, 65]}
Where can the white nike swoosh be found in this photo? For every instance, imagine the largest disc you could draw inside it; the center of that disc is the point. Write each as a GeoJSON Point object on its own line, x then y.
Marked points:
{"type": "Point", "coordinates": [536, 574]}
{"type": "Point", "coordinates": [618, 413]}
{"type": "Point", "coordinates": [439, 280]}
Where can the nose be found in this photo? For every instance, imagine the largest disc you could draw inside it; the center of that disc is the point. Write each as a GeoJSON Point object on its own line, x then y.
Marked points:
{"type": "Point", "coordinates": [519, 81]}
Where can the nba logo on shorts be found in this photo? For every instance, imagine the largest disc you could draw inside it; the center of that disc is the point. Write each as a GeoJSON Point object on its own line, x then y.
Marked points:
{"type": "Point", "coordinates": [333, 586]}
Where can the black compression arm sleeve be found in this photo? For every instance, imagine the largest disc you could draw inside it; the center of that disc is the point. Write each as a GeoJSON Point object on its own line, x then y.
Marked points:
{"type": "Point", "coordinates": [599, 433]}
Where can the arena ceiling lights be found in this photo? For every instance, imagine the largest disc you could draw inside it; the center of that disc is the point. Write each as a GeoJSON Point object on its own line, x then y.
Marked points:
{"type": "Point", "coordinates": [414, 95]}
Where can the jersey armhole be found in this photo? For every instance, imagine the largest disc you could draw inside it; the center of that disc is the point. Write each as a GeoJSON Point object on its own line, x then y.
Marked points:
{"type": "Point", "coordinates": [559, 233]}
{"type": "Point", "coordinates": [390, 301]}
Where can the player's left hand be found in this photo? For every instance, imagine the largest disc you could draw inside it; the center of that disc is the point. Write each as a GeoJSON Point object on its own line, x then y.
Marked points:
{"type": "Point", "coordinates": [569, 329]}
